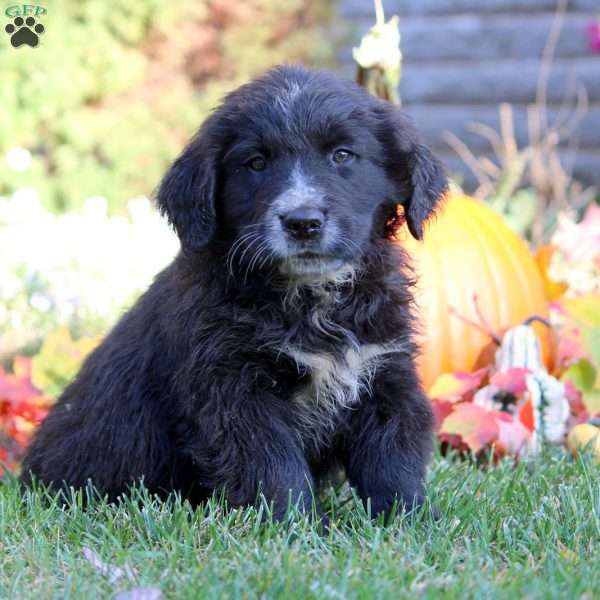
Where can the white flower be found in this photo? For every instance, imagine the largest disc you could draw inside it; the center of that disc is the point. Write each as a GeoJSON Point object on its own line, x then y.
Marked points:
{"type": "Point", "coordinates": [380, 47]}
{"type": "Point", "coordinates": [25, 202]}
{"type": "Point", "coordinates": [79, 265]}
{"type": "Point", "coordinates": [95, 207]}
{"type": "Point", "coordinates": [40, 302]}
{"type": "Point", "coordinates": [140, 208]}
{"type": "Point", "coordinates": [18, 159]}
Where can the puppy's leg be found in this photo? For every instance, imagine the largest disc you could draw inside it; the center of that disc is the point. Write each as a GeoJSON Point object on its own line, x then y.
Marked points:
{"type": "Point", "coordinates": [111, 446]}
{"type": "Point", "coordinates": [391, 441]}
{"type": "Point", "coordinates": [243, 447]}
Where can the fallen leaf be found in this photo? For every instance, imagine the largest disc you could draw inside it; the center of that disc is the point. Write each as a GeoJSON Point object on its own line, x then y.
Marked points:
{"type": "Point", "coordinates": [566, 553]}
{"type": "Point", "coordinates": [526, 416]}
{"type": "Point", "coordinates": [582, 375]}
{"type": "Point", "coordinates": [579, 331]}
{"type": "Point", "coordinates": [575, 398]}
{"type": "Point", "coordinates": [476, 426]}
{"type": "Point", "coordinates": [141, 593]}
{"type": "Point", "coordinates": [441, 409]}
{"type": "Point", "coordinates": [113, 573]}
{"type": "Point", "coordinates": [512, 381]}
{"type": "Point", "coordinates": [17, 387]}
{"type": "Point", "coordinates": [591, 401]}
{"type": "Point", "coordinates": [513, 437]}
{"type": "Point", "coordinates": [454, 387]}
{"type": "Point", "coordinates": [22, 409]}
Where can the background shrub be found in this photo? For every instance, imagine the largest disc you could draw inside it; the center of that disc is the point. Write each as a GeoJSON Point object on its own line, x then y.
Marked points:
{"type": "Point", "coordinates": [116, 88]}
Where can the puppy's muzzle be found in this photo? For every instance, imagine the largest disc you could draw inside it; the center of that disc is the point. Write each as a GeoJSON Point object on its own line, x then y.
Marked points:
{"type": "Point", "coordinates": [304, 223]}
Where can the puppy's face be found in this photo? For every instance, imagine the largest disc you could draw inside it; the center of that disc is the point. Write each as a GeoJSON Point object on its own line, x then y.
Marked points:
{"type": "Point", "coordinates": [300, 172]}
{"type": "Point", "coordinates": [304, 183]}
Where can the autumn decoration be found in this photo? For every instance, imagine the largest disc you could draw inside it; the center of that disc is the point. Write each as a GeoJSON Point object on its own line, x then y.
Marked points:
{"type": "Point", "coordinates": [510, 336]}
{"type": "Point", "coordinates": [28, 390]}
{"type": "Point", "coordinates": [586, 436]}
{"type": "Point", "coordinates": [475, 276]}
{"type": "Point", "coordinates": [516, 403]}
{"type": "Point", "coordinates": [22, 408]}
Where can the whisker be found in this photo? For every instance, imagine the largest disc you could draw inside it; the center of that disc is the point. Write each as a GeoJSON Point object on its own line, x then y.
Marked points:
{"type": "Point", "coordinates": [257, 252]}
{"type": "Point", "coordinates": [266, 261]}
{"type": "Point", "coordinates": [231, 253]}
{"type": "Point", "coordinates": [247, 240]}
{"type": "Point", "coordinates": [258, 261]}
{"type": "Point", "coordinates": [261, 248]}
{"type": "Point", "coordinates": [249, 247]}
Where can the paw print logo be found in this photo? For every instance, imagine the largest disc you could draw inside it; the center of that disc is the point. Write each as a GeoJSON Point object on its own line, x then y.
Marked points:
{"type": "Point", "coordinates": [24, 31]}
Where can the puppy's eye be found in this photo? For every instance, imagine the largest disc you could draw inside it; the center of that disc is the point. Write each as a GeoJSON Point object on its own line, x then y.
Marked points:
{"type": "Point", "coordinates": [341, 155]}
{"type": "Point", "coordinates": [257, 163]}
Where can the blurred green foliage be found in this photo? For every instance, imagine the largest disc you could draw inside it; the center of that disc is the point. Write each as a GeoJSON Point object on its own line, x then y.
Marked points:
{"type": "Point", "coordinates": [115, 88]}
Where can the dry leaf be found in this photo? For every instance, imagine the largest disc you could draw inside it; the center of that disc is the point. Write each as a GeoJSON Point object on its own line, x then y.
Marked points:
{"type": "Point", "coordinates": [112, 572]}
{"type": "Point", "coordinates": [141, 593]}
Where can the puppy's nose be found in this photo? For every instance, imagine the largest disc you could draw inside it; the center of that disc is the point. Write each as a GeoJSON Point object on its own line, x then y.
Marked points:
{"type": "Point", "coordinates": [304, 223]}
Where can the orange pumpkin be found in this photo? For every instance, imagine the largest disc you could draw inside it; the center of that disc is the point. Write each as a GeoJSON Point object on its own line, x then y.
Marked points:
{"type": "Point", "coordinates": [471, 267]}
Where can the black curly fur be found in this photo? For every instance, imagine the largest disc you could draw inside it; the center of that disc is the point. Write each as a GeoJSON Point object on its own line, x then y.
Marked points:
{"type": "Point", "coordinates": [191, 389]}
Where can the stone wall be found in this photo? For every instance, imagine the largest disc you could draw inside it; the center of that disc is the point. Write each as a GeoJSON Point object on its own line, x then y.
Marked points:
{"type": "Point", "coordinates": [463, 57]}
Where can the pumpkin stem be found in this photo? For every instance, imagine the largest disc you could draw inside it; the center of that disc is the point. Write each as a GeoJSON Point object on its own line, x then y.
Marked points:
{"type": "Point", "coordinates": [536, 318]}
{"type": "Point", "coordinates": [553, 333]}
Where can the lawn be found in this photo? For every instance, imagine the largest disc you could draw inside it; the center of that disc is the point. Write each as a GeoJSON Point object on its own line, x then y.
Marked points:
{"type": "Point", "coordinates": [526, 531]}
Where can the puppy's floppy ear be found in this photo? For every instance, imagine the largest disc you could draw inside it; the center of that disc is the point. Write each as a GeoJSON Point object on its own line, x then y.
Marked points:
{"type": "Point", "coordinates": [187, 196]}
{"type": "Point", "coordinates": [429, 184]}
{"type": "Point", "coordinates": [420, 177]}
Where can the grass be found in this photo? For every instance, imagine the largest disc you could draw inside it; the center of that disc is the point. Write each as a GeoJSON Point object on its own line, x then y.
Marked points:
{"type": "Point", "coordinates": [530, 531]}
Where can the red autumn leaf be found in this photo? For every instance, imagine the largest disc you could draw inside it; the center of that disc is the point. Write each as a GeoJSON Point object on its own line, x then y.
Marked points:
{"type": "Point", "coordinates": [6, 462]}
{"type": "Point", "coordinates": [513, 436]}
{"type": "Point", "coordinates": [453, 441]}
{"type": "Point", "coordinates": [22, 408]}
{"type": "Point", "coordinates": [457, 387]}
{"type": "Point", "coordinates": [441, 409]}
{"type": "Point", "coordinates": [17, 387]}
{"type": "Point", "coordinates": [575, 397]}
{"type": "Point", "coordinates": [476, 426]}
{"type": "Point", "coordinates": [525, 414]}
{"type": "Point", "coordinates": [512, 381]}
{"type": "Point", "coordinates": [571, 346]}
{"type": "Point", "coordinates": [580, 328]}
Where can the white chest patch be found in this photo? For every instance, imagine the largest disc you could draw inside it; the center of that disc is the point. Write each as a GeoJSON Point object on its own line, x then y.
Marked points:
{"type": "Point", "coordinates": [335, 382]}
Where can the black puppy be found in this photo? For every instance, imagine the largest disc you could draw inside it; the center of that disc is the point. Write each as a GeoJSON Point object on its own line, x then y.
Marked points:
{"type": "Point", "coordinates": [279, 342]}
